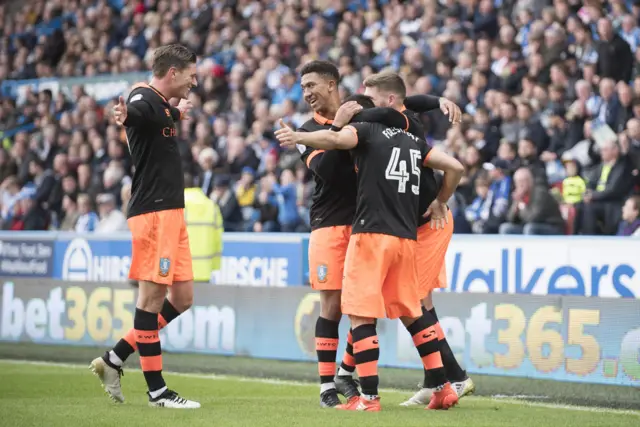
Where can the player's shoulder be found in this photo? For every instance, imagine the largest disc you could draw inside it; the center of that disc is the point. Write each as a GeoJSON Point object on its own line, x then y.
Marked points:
{"type": "Point", "coordinates": [143, 92]}
{"type": "Point", "coordinates": [311, 125]}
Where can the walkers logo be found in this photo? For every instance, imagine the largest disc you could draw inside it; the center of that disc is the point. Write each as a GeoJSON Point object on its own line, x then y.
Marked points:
{"type": "Point", "coordinates": [305, 323]}
{"type": "Point", "coordinates": [82, 260]}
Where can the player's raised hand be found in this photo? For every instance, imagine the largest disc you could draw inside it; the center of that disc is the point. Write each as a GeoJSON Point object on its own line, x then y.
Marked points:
{"type": "Point", "coordinates": [451, 110]}
{"type": "Point", "coordinates": [286, 136]}
{"type": "Point", "coordinates": [345, 113]}
{"type": "Point", "coordinates": [120, 112]}
{"type": "Point", "coordinates": [185, 106]}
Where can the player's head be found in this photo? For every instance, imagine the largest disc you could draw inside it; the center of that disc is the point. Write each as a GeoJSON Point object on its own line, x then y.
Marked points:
{"type": "Point", "coordinates": [363, 100]}
{"type": "Point", "coordinates": [386, 89]}
{"type": "Point", "coordinates": [319, 81]}
{"type": "Point", "coordinates": [175, 66]}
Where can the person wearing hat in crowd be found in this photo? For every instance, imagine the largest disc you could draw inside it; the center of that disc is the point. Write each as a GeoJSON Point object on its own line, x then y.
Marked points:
{"type": "Point", "coordinates": [533, 209]}
{"type": "Point", "coordinates": [112, 220]}
{"type": "Point", "coordinates": [228, 203]}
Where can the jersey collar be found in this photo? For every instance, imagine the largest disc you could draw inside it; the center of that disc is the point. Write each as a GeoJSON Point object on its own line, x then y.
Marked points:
{"type": "Point", "coordinates": [321, 120]}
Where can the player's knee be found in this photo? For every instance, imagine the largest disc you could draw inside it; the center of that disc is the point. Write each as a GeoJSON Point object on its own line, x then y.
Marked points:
{"type": "Point", "coordinates": [330, 305]}
{"type": "Point", "coordinates": [151, 297]}
{"type": "Point", "coordinates": [181, 295]}
{"type": "Point", "coordinates": [408, 321]}
{"type": "Point", "coordinates": [427, 302]}
{"type": "Point", "coordinates": [359, 321]}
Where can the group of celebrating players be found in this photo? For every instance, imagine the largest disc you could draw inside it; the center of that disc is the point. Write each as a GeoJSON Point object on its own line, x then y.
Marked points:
{"type": "Point", "coordinates": [380, 229]}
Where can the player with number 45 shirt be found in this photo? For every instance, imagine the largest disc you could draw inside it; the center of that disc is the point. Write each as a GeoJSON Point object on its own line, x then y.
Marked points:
{"type": "Point", "coordinates": [380, 278]}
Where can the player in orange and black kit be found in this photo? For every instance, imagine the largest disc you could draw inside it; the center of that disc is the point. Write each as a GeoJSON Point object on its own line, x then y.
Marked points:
{"type": "Point", "coordinates": [388, 90]}
{"type": "Point", "coordinates": [161, 259]}
{"type": "Point", "coordinates": [331, 215]}
{"type": "Point", "coordinates": [380, 271]}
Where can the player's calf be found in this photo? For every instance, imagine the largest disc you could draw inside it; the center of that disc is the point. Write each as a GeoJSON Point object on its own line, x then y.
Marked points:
{"type": "Point", "coordinates": [345, 384]}
{"type": "Point", "coordinates": [425, 338]}
{"type": "Point", "coordinates": [366, 351]}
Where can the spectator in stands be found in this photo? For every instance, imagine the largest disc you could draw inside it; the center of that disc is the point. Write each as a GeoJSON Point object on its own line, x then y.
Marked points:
{"type": "Point", "coordinates": [227, 202]}
{"type": "Point", "coordinates": [111, 219]}
{"type": "Point", "coordinates": [87, 219]}
{"type": "Point", "coordinates": [630, 224]}
{"type": "Point", "coordinates": [245, 189]}
{"type": "Point", "coordinates": [492, 209]}
{"type": "Point", "coordinates": [207, 159]}
{"type": "Point", "coordinates": [287, 201]}
{"type": "Point", "coordinates": [606, 192]}
{"type": "Point", "coordinates": [29, 215]}
{"type": "Point", "coordinates": [615, 59]}
{"type": "Point", "coordinates": [71, 214]}
{"type": "Point", "coordinates": [533, 210]}
{"type": "Point", "coordinates": [573, 186]}
{"type": "Point", "coordinates": [479, 211]}
{"type": "Point", "coordinates": [520, 70]}
{"type": "Point", "coordinates": [10, 190]}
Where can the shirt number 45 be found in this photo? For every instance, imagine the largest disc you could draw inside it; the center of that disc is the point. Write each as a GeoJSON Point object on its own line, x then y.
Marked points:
{"type": "Point", "coordinates": [397, 170]}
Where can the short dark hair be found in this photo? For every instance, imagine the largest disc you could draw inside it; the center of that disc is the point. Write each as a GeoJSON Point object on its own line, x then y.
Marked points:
{"type": "Point", "coordinates": [363, 100]}
{"type": "Point", "coordinates": [172, 56]}
{"type": "Point", "coordinates": [324, 68]}
{"type": "Point", "coordinates": [388, 82]}
{"type": "Point", "coordinates": [636, 202]}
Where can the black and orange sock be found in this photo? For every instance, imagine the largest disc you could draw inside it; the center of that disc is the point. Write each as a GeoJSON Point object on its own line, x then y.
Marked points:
{"type": "Point", "coordinates": [366, 351]}
{"type": "Point", "coordinates": [348, 365]}
{"type": "Point", "coordinates": [326, 349]}
{"type": "Point", "coordinates": [454, 371]}
{"type": "Point", "coordinates": [127, 345]}
{"type": "Point", "coordinates": [425, 338]}
{"type": "Point", "coordinates": [148, 340]}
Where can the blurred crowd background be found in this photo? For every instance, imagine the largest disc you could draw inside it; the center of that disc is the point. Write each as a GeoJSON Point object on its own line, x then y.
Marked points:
{"type": "Point", "coordinates": [550, 86]}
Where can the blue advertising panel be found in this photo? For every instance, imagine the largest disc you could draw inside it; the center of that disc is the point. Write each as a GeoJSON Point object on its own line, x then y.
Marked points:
{"type": "Point", "coordinates": [81, 260]}
{"type": "Point", "coordinates": [261, 260]}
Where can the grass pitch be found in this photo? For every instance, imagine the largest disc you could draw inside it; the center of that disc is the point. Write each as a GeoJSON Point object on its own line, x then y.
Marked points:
{"type": "Point", "coordinates": [52, 386]}
{"type": "Point", "coordinates": [55, 395]}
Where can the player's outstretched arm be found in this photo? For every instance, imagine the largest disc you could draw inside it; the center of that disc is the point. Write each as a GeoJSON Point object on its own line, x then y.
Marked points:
{"type": "Point", "coordinates": [426, 103]}
{"type": "Point", "coordinates": [345, 139]}
{"type": "Point", "coordinates": [385, 115]}
{"type": "Point", "coordinates": [137, 112]}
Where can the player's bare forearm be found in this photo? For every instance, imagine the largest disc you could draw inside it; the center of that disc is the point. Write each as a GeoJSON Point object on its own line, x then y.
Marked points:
{"type": "Point", "coordinates": [449, 184]}
{"type": "Point", "coordinates": [328, 140]}
{"type": "Point", "coordinates": [452, 169]}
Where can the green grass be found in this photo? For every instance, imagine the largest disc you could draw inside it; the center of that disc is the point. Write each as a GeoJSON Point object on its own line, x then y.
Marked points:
{"type": "Point", "coordinates": [405, 379]}
{"type": "Point", "coordinates": [52, 396]}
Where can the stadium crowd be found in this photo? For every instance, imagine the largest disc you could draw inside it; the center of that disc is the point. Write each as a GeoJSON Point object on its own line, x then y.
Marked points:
{"type": "Point", "coordinates": [550, 85]}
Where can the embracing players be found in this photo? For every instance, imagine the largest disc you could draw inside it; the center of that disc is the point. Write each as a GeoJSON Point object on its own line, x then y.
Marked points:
{"type": "Point", "coordinates": [161, 259]}
{"type": "Point", "coordinates": [380, 271]}
{"type": "Point", "coordinates": [389, 90]}
{"type": "Point", "coordinates": [332, 209]}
